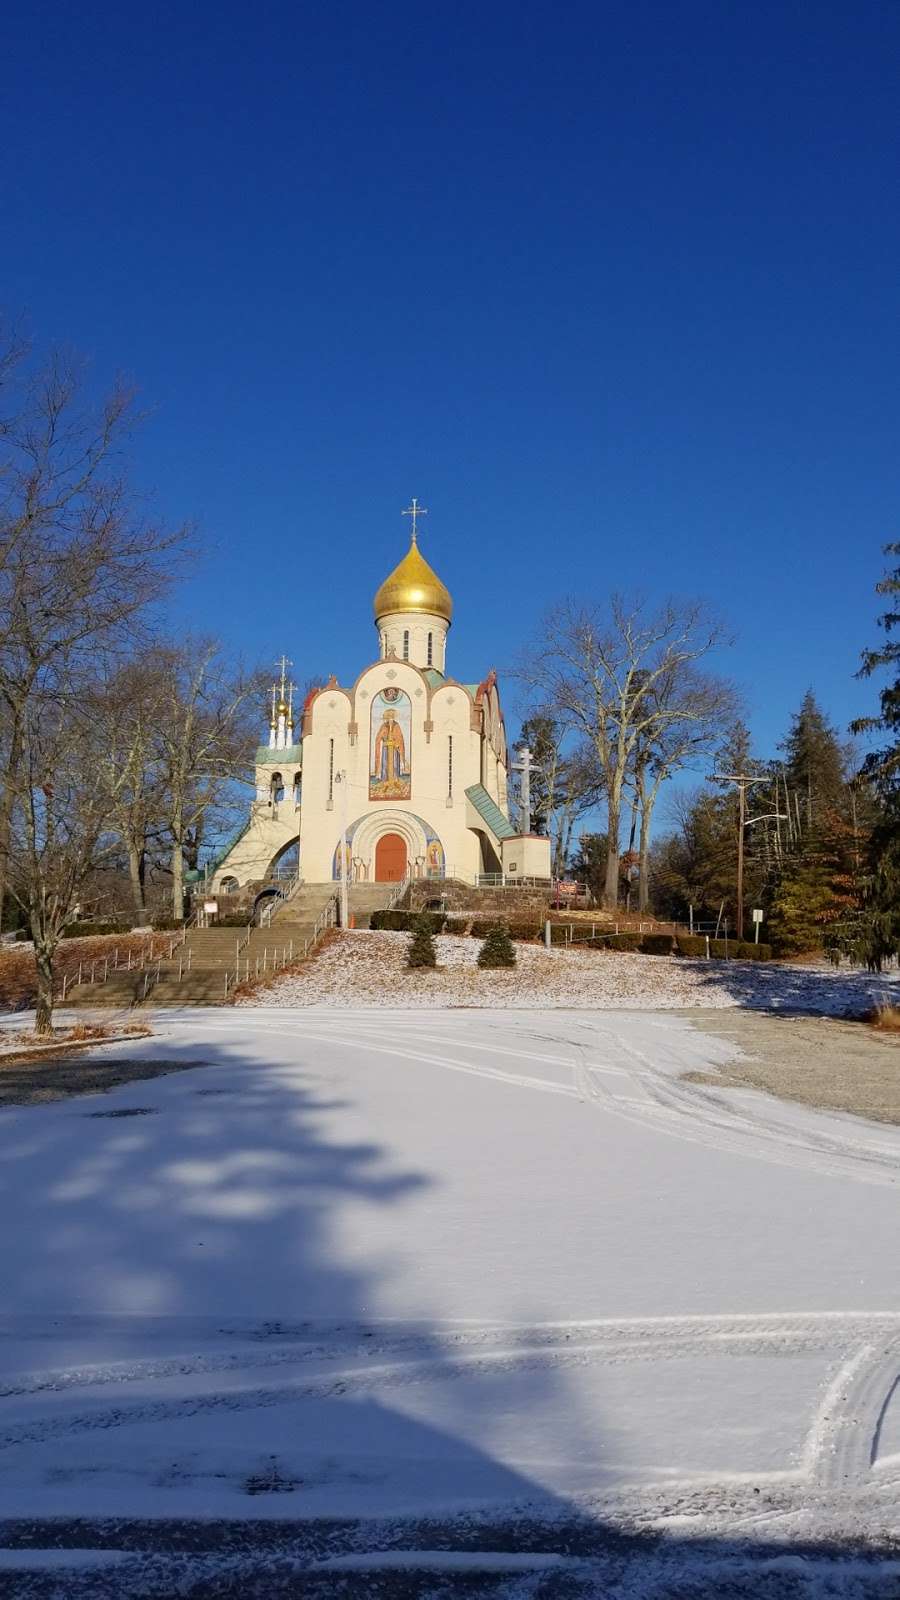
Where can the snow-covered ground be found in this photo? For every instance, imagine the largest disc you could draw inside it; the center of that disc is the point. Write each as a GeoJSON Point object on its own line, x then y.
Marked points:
{"type": "Point", "coordinates": [359, 969]}
{"type": "Point", "coordinates": [386, 1265]}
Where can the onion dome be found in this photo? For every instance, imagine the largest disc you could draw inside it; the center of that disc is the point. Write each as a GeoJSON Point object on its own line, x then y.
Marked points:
{"type": "Point", "coordinates": [413, 586]}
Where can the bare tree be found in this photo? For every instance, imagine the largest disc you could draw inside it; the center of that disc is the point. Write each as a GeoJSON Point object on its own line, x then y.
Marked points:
{"type": "Point", "coordinates": [688, 712]}
{"type": "Point", "coordinates": [205, 738]}
{"type": "Point", "coordinates": [78, 560]}
{"type": "Point", "coordinates": [603, 675]}
{"type": "Point", "coordinates": [60, 827]}
{"type": "Point", "coordinates": [131, 713]}
{"type": "Point", "coordinates": [566, 783]}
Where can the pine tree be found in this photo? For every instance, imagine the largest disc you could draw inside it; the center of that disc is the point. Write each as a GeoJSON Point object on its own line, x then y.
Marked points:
{"type": "Point", "coordinates": [872, 933]}
{"type": "Point", "coordinates": [421, 952]}
{"type": "Point", "coordinates": [498, 949]}
{"type": "Point", "coordinates": [814, 763]}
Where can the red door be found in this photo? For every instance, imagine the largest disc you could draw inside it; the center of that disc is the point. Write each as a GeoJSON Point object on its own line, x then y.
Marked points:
{"type": "Point", "coordinates": [390, 858]}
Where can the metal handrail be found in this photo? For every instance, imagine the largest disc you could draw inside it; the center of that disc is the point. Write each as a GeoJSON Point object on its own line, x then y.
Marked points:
{"type": "Point", "coordinates": [111, 963]}
{"type": "Point", "coordinates": [399, 892]}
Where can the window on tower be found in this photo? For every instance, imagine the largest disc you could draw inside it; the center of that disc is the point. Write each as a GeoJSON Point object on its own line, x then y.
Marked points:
{"type": "Point", "coordinates": [406, 644]}
{"type": "Point", "coordinates": [430, 649]}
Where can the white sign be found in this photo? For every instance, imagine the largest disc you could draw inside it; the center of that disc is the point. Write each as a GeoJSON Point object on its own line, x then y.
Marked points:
{"type": "Point", "coordinates": [210, 907]}
{"type": "Point", "coordinates": [757, 915]}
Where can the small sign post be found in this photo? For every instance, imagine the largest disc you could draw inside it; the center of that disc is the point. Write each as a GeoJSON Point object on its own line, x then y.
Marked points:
{"type": "Point", "coordinates": [757, 916]}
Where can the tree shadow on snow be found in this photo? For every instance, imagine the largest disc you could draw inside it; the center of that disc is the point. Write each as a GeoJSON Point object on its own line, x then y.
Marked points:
{"type": "Point", "coordinates": [784, 990]}
{"type": "Point", "coordinates": [198, 1333]}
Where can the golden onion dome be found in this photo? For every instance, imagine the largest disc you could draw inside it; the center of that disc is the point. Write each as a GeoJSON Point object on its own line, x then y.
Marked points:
{"type": "Point", "coordinates": [413, 586]}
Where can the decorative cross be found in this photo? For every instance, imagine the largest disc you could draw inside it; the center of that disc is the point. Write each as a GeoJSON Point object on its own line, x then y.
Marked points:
{"type": "Point", "coordinates": [415, 511]}
{"type": "Point", "coordinates": [284, 663]}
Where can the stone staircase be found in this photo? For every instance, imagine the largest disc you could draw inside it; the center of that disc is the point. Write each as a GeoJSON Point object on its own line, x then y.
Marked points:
{"type": "Point", "coordinates": [364, 898]}
{"type": "Point", "coordinates": [203, 970]}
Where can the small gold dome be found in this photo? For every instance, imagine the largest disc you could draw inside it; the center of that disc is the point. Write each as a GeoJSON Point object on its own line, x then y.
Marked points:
{"type": "Point", "coordinates": [413, 586]}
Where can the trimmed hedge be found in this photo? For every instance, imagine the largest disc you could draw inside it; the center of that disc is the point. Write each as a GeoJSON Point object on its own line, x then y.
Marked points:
{"type": "Point", "coordinates": [754, 952]}
{"type": "Point", "coordinates": [690, 944]}
{"type": "Point", "coordinates": [406, 921]}
{"type": "Point", "coordinates": [481, 927]}
{"type": "Point", "coordinates": [735, 950]}
{"type": "Point", "coordinates": [167, 924]}
{"type": "Point", "coordinates": [90, 930]}
{"type": "Point", "coordinates": [657, 944]}
{"type": "Point", "coordinates": [630, 943]}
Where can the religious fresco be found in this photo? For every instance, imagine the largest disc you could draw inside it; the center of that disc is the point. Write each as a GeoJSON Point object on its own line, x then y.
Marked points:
{"type": "Point", "coordinates": [390, 746]}
{"type": "Point", "coordinates": [336, 861]}
{"type": "Point", "coordinates": [434, 857]}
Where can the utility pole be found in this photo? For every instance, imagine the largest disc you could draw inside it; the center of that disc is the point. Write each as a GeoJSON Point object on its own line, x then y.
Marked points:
{"type": "Point", "coordinates": [742, 781]}
{"type": "Point", "coordinates": [524, 765]}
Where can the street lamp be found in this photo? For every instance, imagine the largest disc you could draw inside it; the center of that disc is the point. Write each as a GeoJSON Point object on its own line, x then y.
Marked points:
{"type": "Point", "coordinates": [341, 778]}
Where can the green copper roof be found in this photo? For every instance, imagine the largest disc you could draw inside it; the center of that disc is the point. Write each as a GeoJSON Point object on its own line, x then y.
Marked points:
{"type": "Point", "coordinates": [434, 677]}
{"type": "Point", "coordinates": [490, 813]}
{"type": "Point", "coordinates": [293, 755]}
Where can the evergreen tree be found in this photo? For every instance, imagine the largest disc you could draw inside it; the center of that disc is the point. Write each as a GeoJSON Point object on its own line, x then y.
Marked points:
{"type": "Point", "coordinates": [421, 952]}
{"type": "Point", "coordinates": [498, 949]}
{"type": "Point", "coordinates": [814, 763]}
{"type": "Point", "coordinates": [589, 864]}
{"type": "Point", "coordinates": [882, 767]}
{"type": "Point", "coordinates": [872, 933]}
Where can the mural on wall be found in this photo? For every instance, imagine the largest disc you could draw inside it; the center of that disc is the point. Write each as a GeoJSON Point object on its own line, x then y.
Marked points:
{"type": "Point", "coordinates": [336, 862]}
{"type": "Point", "coordinates": [390, 746]}
{"type": "Point", "coordinates": [434, 857]}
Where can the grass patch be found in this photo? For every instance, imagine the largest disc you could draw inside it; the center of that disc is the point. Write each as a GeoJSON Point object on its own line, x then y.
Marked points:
{"type": "Point", "coordinates": [886, 1018]}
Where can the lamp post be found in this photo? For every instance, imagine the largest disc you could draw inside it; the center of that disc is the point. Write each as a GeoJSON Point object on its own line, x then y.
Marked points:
{"type": "Point", "coordinates": [341, 778]}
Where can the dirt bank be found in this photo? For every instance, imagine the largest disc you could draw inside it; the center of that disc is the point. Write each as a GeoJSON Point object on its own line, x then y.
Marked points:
{"type": "Point", "coordinates": [818, 1061]}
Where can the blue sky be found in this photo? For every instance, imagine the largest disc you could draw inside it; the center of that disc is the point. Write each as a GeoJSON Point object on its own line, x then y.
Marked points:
{"type": "Point", "coordinates": [612, 289]}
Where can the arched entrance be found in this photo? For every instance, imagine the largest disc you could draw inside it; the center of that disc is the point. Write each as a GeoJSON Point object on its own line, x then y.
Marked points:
{"type": "Point", "coordinates": [390, 858]}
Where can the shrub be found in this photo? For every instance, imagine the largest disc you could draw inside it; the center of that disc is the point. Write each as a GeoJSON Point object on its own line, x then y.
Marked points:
{"type": "Point", "coordinates": [498, 949]}
{"type": "Point", "coordinates": [421, 952]}
{"type": "Point", "coordinates": [748, 951]}
{"type": "Point", "coordinates": [169, 924]}
{"type": "Point", "coordinates": [481, 927]}
{"type": "Point", "coordinates": [657, 944]}
{"type": "Point", "coordinates": [690, 944]}
{"type": "Point", "coordinates": [628, 942]}
{"type": "Point", "coordinates": [90, 930]}
{"type": "Point", "coordinates": [406, 921]}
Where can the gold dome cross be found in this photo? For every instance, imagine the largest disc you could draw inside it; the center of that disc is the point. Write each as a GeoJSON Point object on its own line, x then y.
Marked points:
{"type": "Point", "coordinates": [415, 511]}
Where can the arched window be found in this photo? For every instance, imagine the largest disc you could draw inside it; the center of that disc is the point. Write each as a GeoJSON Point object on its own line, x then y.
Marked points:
{"type": "Point", "coordinates": [228, 886]}
{"type": "Point", "coordinates": [406, 644]}
{"type": "Point", "coordinates": [297, 782]}
{"type": "Point", "coordinates": [430, 649]}
{"type": "Point", "coordinates": [276, 787]}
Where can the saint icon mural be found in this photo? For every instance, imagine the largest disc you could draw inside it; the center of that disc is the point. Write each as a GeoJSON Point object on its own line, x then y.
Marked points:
{"type": "Point", "coordinates": [390, 752]}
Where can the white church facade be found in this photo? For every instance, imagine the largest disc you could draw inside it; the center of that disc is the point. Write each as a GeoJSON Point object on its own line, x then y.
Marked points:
{"type": "Point", "coordinates": [406, 769]}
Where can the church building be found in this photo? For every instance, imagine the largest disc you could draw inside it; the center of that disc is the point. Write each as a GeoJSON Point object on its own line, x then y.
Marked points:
{"type": "Point", "coordinates": [406, 769]}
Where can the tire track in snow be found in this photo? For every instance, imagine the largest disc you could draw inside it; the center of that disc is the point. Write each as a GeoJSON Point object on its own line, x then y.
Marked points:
{"type": "Point", "coordinates": [482, 1352]}
{"type": "Point", "coordinates": [844, 1440]}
